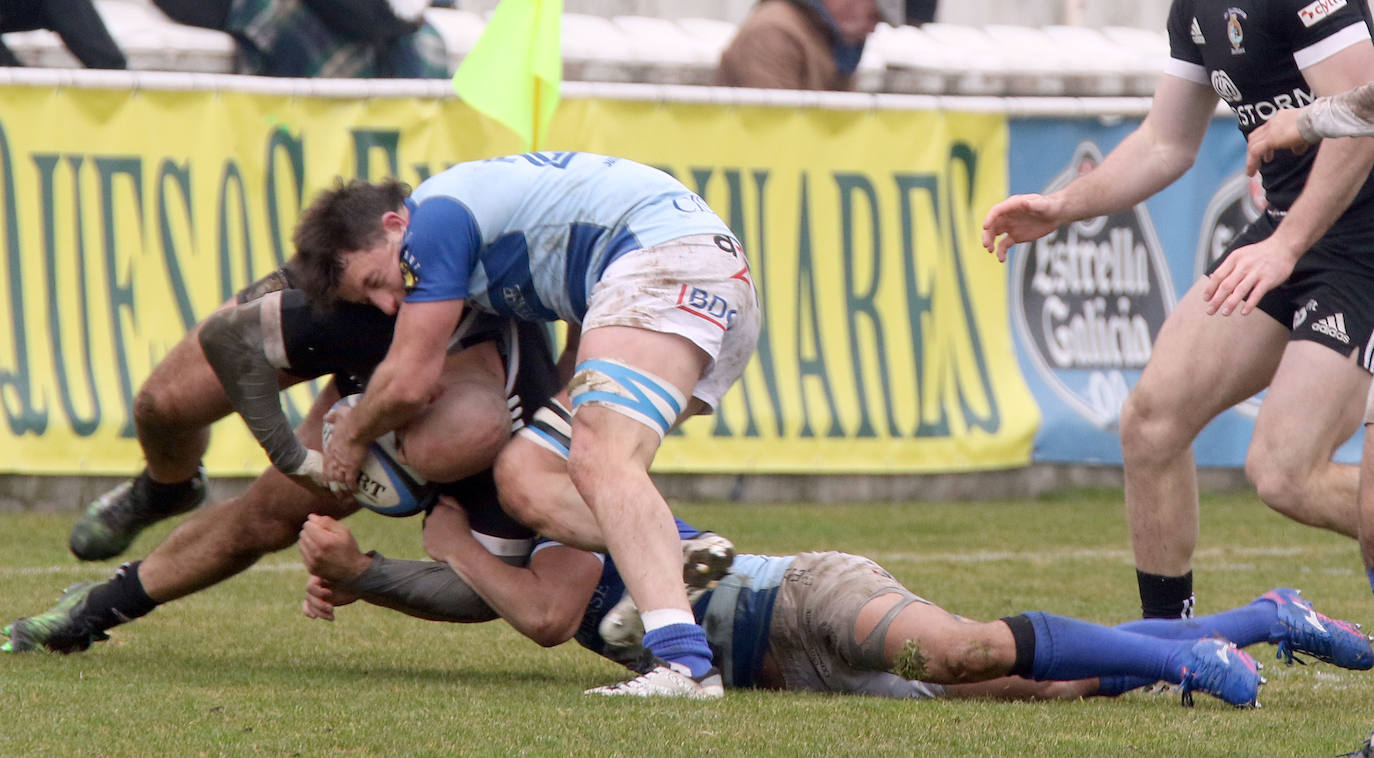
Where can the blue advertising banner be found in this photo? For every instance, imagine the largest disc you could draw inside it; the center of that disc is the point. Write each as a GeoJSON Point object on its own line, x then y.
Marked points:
{"type": "Point", "coordinates": [1087, 301]}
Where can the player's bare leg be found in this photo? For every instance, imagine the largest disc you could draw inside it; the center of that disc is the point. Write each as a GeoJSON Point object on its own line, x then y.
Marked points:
{"type": "Point", "coordinates": [1016, 688]}
{"type": "Point", "coordinates": [1366, 503]}
{"type": "Point", "coordinates": [215, 544]}
{"type": "Point", "coordinates": [609, 464]}
{"type": "Point", "coordinates": [923, 641]}
{"type": "Point", "coordinates": [928, 643]}
{"type": "Point", "coordinates": [1313, 405]}
{"type": "Point", "coordinates": [537, 491]}
{"type": "Point", "coordinates": [173, 411]}
{"type": "Point", "coordinates": [229, 537]}
{"type": "Point", "coordinates": [1176, 396]}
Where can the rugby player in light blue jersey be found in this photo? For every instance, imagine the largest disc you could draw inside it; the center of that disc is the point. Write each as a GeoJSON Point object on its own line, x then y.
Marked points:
{"type": "Point", "coordinates": [833, 622]}
{"type": "Point", "coordinates": [659, 287]}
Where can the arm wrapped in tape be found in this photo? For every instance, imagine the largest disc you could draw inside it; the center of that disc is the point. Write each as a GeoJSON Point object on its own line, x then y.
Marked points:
{"type": "Point", "coordinates": [233, 343]}
{"type": "Point", "coordinates": [1349, 114]}
{"type": "Point", "coordinates": [424, 589]}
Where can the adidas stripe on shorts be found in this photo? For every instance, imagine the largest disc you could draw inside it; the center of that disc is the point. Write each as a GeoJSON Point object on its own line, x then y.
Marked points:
{"type": "Point", "coordinates": [1329, 298]}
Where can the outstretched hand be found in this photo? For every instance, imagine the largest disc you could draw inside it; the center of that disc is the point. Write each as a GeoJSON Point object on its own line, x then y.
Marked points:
{"type": "Point", "coordinates": [1280, 132]}
{"type": "Point", "coordinates": [1019, 218]}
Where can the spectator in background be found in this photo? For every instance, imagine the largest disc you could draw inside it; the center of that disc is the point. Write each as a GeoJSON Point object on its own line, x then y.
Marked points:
{"type": "Point", "coordinates": [920, 11]}
{"type": "Point", "coordinates": [76, 21]}
{"type": "Point", "coordinates": [331, 38]}
{"type": "Point", "coordinates": [803, 44]}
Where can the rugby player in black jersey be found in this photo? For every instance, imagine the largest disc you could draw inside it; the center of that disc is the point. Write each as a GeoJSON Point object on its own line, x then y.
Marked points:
{"type": "Point", "coordinates": [270, 339]}
{"type": "Point", "coordinates": [1306, 264]}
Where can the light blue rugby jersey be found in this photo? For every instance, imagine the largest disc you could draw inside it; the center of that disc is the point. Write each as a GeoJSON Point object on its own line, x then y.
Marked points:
{"type": "Point", "coordinates": [737, 615]}
{"type": "Point", "coordinates": [528, 236]}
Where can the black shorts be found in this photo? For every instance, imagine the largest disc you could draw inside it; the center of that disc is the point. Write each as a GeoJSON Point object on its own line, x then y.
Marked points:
{"type": "Point", "coordinates": [349, 339]}
{"type": "Point", "coordinates": [1329, 298]}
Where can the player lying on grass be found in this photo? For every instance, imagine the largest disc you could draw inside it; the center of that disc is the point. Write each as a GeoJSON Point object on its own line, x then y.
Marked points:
{"type": "Point", "coordinates": [253, 346]}
{"type": "Point", "coordinates": [833, 622]}
{"type": "Point", "coordinates": [839, 623]}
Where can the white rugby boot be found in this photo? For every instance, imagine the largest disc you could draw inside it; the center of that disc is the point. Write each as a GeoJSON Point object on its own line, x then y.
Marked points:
{"type": "Point", "coordinates": [667, 680]}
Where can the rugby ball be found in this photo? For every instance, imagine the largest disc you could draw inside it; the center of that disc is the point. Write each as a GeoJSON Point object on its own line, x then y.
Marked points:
{"type": "Point", "coordinates": [384, 485]}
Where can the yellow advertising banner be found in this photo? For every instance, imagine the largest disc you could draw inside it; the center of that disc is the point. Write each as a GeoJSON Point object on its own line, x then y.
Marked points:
{"type": "Point", "coordinates": [125, 217]}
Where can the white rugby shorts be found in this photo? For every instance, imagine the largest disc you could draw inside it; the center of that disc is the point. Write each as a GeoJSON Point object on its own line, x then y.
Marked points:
{"type": "Point", "coordinates": [699, 288]}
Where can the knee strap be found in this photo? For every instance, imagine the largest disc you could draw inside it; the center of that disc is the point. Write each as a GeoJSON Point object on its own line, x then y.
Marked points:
{"type": "Point", "coordinates": [869, 653]}
{"type": "Point", "coordinates": [627, 390]}
{"type": "Point", "coordinates": [551, 428]}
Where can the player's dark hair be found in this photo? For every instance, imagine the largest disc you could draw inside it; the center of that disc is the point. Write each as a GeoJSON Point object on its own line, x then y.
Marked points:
{"type": "Point", "coordinates": [345, 218]}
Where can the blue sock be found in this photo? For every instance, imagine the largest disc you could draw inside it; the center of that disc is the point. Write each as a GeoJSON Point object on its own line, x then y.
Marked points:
{"type": "Point", "coordinates": [1111, 686]}
{"type": "Point", "coordinates": [1067, 649]}
{"type": "Point", "coordinates": [1244, 626]}
{"type": "Point", "coordinates": [681, 643]}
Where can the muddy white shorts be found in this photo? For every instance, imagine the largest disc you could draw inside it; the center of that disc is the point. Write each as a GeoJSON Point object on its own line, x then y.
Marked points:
{"type": "Point", "coordinates": [698, 288]}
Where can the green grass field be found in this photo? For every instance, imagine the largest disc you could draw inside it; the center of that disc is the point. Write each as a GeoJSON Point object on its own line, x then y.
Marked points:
{"type": "Point", "coordinates": [237, 670]}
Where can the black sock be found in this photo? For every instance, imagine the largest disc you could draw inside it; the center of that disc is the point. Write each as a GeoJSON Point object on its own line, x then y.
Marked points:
{"type": "Point", "coordinates": [1023, 633]}
{"type": "Point", "coordinates": [165, 497]}
{"type": "Point", "coordinates": [120, 599]}
{"type": "Point", "coordinates": [1165, 597]}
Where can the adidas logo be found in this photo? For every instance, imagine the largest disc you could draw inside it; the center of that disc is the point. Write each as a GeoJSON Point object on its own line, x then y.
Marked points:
{"type": "Point", "coordinates": [1313, 619]}
{"type": "Point", "coordinates": [1196, 31]}
{"type": "Point", "coordinates": [1332, 326]}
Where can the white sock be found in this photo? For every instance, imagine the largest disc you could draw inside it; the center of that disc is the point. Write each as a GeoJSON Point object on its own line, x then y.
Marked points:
{"type": "Point", "coordinates": [665, 617]}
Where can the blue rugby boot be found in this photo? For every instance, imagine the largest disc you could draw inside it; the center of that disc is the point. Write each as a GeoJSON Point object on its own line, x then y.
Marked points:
{"type": "Point", "coordinates": [1219, 668]}
{"type": "Point", "coordinates": [61, 629]}
{"type": "Point", "coordinates": [1301, 629]}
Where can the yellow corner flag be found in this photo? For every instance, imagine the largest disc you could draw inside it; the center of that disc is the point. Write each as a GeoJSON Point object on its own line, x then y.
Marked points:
{"type": "Point", "coordinates": [513, 72]}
